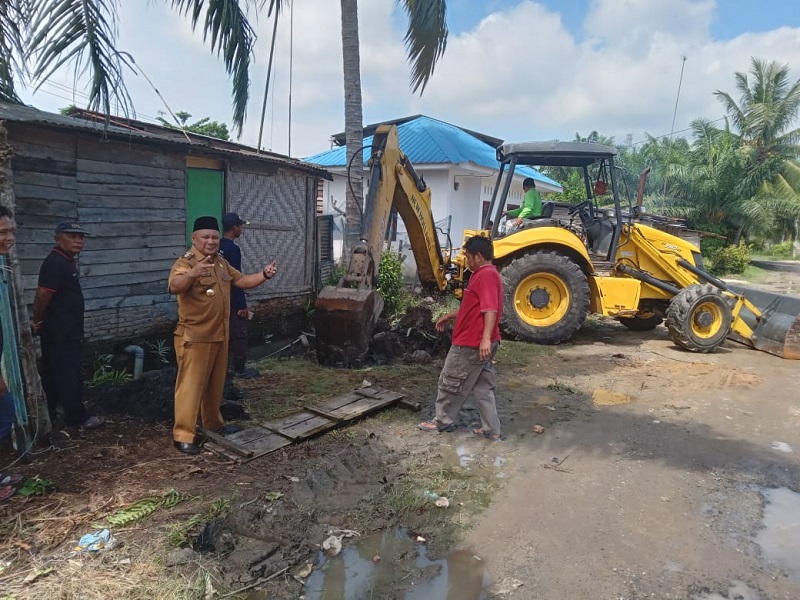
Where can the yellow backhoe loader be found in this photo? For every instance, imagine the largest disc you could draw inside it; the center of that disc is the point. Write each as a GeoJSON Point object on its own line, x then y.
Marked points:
{"type": "Point", "coordinates": [574, 259]}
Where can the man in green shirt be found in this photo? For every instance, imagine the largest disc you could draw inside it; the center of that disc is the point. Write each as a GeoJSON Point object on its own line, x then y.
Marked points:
{"type": "Point", "coordinates": [531, 203]}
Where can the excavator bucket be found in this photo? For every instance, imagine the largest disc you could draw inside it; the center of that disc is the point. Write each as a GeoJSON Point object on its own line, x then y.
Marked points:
{"type": "Point", "coordinates": [344, 320]}
{"type": "Point", "coordinates": [773, 319]}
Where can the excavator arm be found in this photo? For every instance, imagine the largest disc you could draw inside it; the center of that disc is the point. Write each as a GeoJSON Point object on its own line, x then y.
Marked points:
{"type": "Point", "coordinates": [345, 314]}
{"type": "Point", "coordinates": [395, 183]}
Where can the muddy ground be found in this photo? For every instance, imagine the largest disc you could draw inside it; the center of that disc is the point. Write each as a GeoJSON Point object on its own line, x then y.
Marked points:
{"type": "Point", "coordinates": [659, 474]}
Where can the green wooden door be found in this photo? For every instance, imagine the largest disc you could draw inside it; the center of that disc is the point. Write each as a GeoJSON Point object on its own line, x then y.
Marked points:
{"type": "Point", "coordinates": [205, 196]}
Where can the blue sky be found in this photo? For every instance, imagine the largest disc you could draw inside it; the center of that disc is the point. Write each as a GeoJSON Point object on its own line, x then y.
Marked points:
{"type": "Point", "coordinates": [514, 69]}
{"type": "Point", "coordinates": [731, 17]}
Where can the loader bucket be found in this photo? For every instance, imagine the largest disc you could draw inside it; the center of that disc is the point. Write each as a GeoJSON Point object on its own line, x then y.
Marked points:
{"type": "Point", "coordinates": [774, 320]}
{"type": "Point", "coordinates": [344, 319]}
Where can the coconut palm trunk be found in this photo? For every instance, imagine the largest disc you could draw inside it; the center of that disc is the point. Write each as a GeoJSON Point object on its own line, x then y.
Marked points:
{"type": "Point", "coordinates": [353, 124]}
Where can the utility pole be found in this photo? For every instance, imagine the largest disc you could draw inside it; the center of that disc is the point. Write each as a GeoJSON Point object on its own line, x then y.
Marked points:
{"type": "Point", "coordinates": [672, 129]}
{"type": "Point", "coordinates": [266, 85]}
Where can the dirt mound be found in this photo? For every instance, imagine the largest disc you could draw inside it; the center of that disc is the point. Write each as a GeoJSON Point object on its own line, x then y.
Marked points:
{"type": "Point", "coordinates": [414, 340]}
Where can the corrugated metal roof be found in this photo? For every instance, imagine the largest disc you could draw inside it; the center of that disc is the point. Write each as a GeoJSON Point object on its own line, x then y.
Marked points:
{"type": "Point", "coordinates": [128, 129]}
{"type": "Point", "coordinates": [429, 141]}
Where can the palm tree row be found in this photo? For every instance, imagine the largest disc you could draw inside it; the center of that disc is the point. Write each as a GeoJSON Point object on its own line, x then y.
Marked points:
{"type": "Point", "coordinates": [741, 179]}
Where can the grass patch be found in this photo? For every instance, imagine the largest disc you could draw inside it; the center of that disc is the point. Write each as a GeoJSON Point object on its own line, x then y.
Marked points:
{"type": "Point", "coordinates": [560, 388]}
{"type": "Point", "coordinates": [520, 354]}
{"type": "Point", "coordinates": [290, 384]}
{"type": "Point", "coordinates": [751, 273]}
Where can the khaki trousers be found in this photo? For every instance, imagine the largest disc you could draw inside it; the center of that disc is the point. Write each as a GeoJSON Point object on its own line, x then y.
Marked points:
{"type": "Point", "coordinates": [465, 372]}
{"type": "Point", "coordinates": [201, 379]}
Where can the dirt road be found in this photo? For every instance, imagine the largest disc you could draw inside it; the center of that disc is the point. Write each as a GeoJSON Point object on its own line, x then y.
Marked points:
{"type": "Point", "coordinates": [685, 489]}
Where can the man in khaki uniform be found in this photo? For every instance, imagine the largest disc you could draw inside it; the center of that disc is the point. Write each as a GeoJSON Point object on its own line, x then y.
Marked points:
{"type": "Point", "coordinates": [202, 281]}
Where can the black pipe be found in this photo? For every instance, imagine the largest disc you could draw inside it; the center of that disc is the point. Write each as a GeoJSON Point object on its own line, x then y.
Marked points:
{"type": "Point", "coordinates": [718, 283]}
{"type": "Point", "coordinates": [649, 279]}
{"type": "Point", "coordinates": [418, 181]}
{"type": "Point", "coordinates": [375, 176]}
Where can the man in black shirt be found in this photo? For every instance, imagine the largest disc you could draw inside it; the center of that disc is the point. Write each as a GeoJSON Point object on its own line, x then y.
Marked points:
{"type": "Point", "coordinates": [58, 318]}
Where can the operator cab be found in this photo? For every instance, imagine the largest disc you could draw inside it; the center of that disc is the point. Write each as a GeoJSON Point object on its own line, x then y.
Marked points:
{"type": "Point", "coordinates": [597, 227]}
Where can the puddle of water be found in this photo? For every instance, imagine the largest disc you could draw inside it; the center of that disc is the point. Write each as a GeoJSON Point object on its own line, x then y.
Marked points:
{"type": "Point", "coordinates": [353, 575]}
{"type": "Point", "coordinates": [738, 590]}
{"type": "Point", "coordinates": [606, 398]}
{"type": "Point", "coordinates": [781, 446]}
{"type": "Point", "coordinates": [780, 538]}
{"type": "Point", "coordinates": [464, 457]}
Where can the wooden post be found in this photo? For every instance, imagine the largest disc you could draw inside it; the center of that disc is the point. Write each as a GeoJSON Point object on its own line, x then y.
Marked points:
{"type": "Point", "coordinates": [34, 394]}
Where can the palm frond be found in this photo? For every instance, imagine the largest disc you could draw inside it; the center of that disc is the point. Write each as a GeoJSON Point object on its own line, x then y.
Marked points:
{"type": "Point", "coordinates": [13, 15]}
{"type": "Point", "coordinates": [232, 38]}
{"type": "Point", "coordinates": [425, 39]}
{"type": "Point", "coordinates": [81, 32]}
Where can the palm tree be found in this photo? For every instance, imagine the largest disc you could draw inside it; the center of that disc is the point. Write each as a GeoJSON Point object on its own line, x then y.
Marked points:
{"type": "Point", "coordinates": [425, 39]}
{"type": "Point", "coordinates": [705, 187]}
{"type": "Point", "coordinates": [12, 40]}
{"type": "Point", "coordinates": [768, 105]}
{"type": "Point", "coordinates": [83, 33]}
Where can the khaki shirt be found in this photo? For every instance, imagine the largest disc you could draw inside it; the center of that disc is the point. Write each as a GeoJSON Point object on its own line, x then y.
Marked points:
{"type": "Point", "coordinates": [203, 316]}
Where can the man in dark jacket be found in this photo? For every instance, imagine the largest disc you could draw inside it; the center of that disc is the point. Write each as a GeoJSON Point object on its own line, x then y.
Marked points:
{"type": "Point", "coordinates": [58, 319]}
{"type": "Point", "coordinates": [232, 229]}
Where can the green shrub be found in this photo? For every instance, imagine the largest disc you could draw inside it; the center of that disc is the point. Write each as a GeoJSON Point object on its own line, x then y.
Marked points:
{"type": "Point", "coordinates": [783, 250]}
{"type": "Point", "coordinates": [730, 259]}
{"type": "Point", "coordinates": [390, 281]}
{"type": "Point", "coordinates": [709, 246]}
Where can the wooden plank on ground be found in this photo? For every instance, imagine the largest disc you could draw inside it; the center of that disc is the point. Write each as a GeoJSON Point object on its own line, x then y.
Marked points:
{"type": "Point", "coordinates": [321, 413]}
{"type": "Point", "coordinates": [301, 425]}
{"type": "Point", "coordinates": [356, 404]}
{"type": "Point", "coordinates": [256, 441]}
{"type": "Point", "coordinates": [231, 445]}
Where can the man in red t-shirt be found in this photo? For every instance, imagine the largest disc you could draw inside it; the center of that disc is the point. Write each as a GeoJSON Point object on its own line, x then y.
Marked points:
{"type": "Point", "coordinates": [476, 337]}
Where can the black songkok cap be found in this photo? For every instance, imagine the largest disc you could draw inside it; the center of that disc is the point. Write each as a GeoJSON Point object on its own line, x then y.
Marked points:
{"type": "Point", "coordinates": [206, 223]}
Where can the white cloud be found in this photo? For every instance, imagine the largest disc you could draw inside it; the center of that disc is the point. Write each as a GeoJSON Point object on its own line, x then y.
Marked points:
{"type": "Point", "coordinates": [518, 74]}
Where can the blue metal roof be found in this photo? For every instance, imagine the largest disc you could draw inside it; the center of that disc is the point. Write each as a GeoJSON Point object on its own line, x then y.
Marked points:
{"type": "Point", "coordinates": [428, 141]}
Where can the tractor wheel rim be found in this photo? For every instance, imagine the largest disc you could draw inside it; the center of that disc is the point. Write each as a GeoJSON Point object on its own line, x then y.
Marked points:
{"type": "Point", "coordinates": [542, 283]}
{"type": "Point", "coordinates": [701, 313]}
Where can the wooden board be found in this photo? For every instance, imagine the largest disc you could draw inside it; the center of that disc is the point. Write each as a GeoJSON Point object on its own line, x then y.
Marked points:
{"type": "Point", "coordinates": [256, 439]}
{"type": "Point", "coordinates": [358, 403]}
{"type": "Point", "coordinates": [300, 425]}
{"type": "Point", "coordinates": [273, 435]}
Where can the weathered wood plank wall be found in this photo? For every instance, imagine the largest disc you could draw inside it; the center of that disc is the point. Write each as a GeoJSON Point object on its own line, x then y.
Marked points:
{"type": "Point", "coordinates": [131, 197]}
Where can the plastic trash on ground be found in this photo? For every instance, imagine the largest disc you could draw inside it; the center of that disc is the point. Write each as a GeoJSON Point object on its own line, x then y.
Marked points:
{"type": "Point", "coordinates": [96, 541]}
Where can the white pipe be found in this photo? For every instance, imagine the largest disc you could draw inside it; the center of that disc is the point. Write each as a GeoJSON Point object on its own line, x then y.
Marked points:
{"type": "Point", "coordinates": [138, 363]}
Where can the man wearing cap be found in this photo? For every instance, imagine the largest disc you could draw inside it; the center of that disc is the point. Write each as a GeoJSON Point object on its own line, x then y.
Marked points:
{"type": "Point", "coordinates": [232, 230]}
{"type": "Point", "coordinates": [202, 281]}
{"type": "Point", "coordinates": [58, 319]}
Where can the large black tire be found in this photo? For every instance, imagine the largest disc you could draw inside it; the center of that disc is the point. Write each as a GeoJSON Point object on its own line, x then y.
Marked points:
{"type": "Point", "coordinates": [699, 318]}
{"type": "Point", "coordinates": [642, 322]}
{"type": "Point", "coordinates": [546, 298]}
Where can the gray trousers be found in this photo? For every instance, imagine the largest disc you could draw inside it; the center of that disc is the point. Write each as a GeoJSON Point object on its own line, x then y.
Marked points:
{"type": "Point", "coordinates": [465, 372]}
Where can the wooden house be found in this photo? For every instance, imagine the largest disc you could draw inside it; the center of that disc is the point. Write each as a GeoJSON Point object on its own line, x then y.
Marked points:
{"type": "Point", "coordinates": [137, 188]}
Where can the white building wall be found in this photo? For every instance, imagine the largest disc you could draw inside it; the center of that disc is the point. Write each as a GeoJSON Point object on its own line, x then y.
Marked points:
{"type": "Point", "coordinates": [463, 205]}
